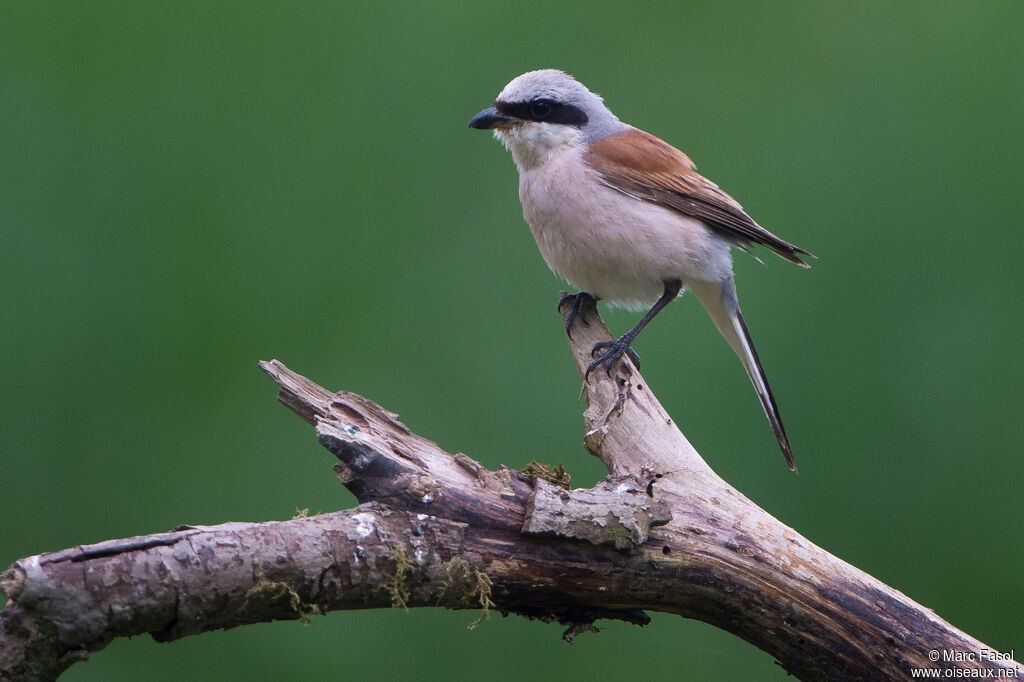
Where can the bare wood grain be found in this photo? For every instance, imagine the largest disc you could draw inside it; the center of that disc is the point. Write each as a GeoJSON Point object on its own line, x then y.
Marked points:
{"type": "Point", "coordinates": [662, 533]}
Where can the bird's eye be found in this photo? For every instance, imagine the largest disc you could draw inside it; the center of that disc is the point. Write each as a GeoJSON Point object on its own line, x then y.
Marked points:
{"type": "Point", "coordinates": [540, 109]}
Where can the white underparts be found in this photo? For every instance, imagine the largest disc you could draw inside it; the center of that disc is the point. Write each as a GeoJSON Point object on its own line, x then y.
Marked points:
{"type": "Point", "coordinates": [601, 239]}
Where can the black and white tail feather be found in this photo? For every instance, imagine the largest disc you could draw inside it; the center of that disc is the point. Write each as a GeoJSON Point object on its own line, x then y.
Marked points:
{"type": "Point", "coordinates": [719, 299]}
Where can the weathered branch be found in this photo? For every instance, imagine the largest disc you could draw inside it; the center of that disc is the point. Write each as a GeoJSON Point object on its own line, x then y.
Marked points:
{"type": "Point", "coordinates": [662, 533]}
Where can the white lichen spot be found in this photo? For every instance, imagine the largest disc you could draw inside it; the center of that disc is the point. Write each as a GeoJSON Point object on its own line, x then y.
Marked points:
{"type": "Point", "coordinates": [364, 524]}
{"type": "Point", "coordinates": [428, 498]}
{"type": "Point", "coordinates": [419, 556]}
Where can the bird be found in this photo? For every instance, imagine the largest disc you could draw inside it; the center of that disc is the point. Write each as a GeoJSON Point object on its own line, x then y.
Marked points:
{"type": "Point", "coordinates": [624, 216]}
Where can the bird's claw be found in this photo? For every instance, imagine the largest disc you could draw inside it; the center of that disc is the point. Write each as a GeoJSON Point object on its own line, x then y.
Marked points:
{"type": "Point", "coordinates": [579, 302]}
{"type": "Point", "coordinates": [616, 349]}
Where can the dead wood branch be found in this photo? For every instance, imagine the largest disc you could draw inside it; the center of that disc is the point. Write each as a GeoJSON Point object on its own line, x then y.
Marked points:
{"type": "Point", "coordinates": [662, 533]}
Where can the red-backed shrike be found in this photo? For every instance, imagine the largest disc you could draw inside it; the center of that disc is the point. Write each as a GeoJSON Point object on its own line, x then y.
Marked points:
{"type": "Point", "coordinates": [623, 215]}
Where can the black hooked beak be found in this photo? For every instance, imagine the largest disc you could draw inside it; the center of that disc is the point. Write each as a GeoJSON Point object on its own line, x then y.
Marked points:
{"type": "Point", "coordinates": [490, 118]}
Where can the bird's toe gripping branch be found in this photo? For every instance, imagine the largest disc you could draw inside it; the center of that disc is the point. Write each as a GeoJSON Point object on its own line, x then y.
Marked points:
{"type": "Point", "coordinates": [615, 350]}
{"type": "Point", "coordinates": [580, 304]}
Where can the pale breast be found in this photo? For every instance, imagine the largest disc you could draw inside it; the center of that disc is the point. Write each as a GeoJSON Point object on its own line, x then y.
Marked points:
{"type": "Point", "coordinates": [617, 247]}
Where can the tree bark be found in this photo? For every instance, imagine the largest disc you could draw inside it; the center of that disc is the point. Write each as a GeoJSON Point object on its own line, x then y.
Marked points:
{"type": "Point", "coordinates": [663, 532]}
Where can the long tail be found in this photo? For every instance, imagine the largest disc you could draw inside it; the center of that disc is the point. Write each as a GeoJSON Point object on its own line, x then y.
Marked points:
{"type": "Point", "coordinates": [719, 299]}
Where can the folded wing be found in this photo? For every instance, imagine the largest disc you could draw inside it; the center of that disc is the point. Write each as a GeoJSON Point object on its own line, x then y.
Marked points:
{"type": "Point", "coordinates": [648, 168]}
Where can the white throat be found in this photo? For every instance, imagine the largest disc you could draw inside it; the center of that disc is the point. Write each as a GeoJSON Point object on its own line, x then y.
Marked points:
{"type": "Point", "coordinates": [532, 144]}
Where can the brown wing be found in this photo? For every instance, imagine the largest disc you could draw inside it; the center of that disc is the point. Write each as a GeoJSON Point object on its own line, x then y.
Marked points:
{"type": "Point", "coordinates": [649, 168]}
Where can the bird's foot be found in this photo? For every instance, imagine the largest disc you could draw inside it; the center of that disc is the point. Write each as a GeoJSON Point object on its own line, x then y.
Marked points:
{"type": "Point", "coordinates": [579, 303]}
{"type": "Point", "coordinates": [615, 350]}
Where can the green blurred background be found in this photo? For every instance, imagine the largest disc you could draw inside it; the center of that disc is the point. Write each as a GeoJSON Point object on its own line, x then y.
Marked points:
{"type": "Point", "coordinates": [187, 188]}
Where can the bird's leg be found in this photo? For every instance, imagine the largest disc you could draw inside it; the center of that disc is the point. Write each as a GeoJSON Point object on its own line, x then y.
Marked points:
{"type": "Point", "coordinates": [621, 345]}
{"type": "Point", "coordinates": [579, 302]}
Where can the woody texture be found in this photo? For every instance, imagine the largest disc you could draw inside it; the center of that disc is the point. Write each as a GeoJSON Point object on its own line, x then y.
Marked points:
{"type": "Point", "coordinates": [435, 529]}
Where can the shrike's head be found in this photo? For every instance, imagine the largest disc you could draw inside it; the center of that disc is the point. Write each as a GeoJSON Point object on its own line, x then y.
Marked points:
{"type": "Point", "coordinates": [541, 111]}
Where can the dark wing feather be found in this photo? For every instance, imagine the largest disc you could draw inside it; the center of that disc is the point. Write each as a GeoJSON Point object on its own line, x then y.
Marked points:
{"type": "Point", "coordinates": [649, 168]}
